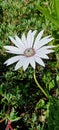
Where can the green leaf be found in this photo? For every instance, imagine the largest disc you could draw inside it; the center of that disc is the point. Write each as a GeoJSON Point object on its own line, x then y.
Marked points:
{"type": "Point", "coordinates": [57, 79]}
{"type": "Point", "coordinates": [16, 119]}
{"type": "Point", "coordinates": [0, 89]}
{"type": "Point", "coordinates": [56, 7]}
{"type": "Point", "coordinates": [40, 104]}
{"type": "Point", "coordinates": [53, 120]}
{"type": "Point", "coordinates": [48, 15]}
{"type": "Point", "coordinates": [51, 85]}
{"type": "Point", "coordinates": [34, 118]}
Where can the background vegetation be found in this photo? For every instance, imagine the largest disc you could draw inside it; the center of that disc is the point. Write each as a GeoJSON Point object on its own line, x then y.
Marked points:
{"type": "Point", "coordinates": [21, 101]}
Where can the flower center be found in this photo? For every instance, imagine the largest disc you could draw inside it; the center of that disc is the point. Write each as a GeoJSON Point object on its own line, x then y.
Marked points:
{"type": "Point", "coordinates": [29, 52]}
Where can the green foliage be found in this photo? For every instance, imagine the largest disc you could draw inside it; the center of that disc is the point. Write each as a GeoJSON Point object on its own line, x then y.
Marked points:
{"type": "Point", "coordinates": [18, 17]}
{"type": "Point", "coordinates": [49, 82]}
{"type": "Point", "coordinates": [56, 7]}
{"type": "Point", "coordinates": [12, 117]}
{"type": "Point", "coordinates": [48, 15]}
{"type": "Point", "coordinates": [18, 91]}
{"type": "Point", "coordinates": [40, 104]}
{"type": "Point", "coordinates": [32, 122]}
{"type": "Point", "coordinates": [57, 79]}
{"type": "Point", "coordinates": [53, 120]}
{"type": "Point", "coordinates": [47, 12]}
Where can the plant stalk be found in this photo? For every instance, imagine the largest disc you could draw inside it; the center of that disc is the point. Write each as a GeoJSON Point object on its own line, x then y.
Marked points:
{"type": "Point", "coordinates": [47, 96]}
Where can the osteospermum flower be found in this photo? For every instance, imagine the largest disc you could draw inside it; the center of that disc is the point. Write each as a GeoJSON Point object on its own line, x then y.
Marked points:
{"type": "Point", "coordinates": [29, 50]}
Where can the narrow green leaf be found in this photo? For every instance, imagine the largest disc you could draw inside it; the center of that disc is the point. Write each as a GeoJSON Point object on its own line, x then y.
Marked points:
{"type": "Point", "coordinates": [48, 15]}
{"type": "Point", "coordinates": [56, 7]}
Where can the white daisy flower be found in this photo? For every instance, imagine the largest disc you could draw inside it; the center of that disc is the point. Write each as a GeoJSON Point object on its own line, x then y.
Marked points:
{"type": "Point", "coordinates": [29, 50]}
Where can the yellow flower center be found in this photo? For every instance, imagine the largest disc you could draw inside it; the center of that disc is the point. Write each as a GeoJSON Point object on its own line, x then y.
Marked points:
{"type": "Point", "coordinates": [29, 52]}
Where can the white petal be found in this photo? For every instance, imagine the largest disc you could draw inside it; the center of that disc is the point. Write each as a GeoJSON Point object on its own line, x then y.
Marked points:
{"type": "Point", "coordinates": [12, 60]}
{"type": "Point", "coordinates": [29, 38]}
{"type": "Point", "coordinates": [32, 62]}
{"type": "Point", "coordinates": [42, 42]}
{"type": "Point", "coordinates": [42, 55]}
{"type": "Point", "coordinates": [24, 40]}
{"type": "Point", "coordinates": [14, 41]}
{"type": "Point", "coordinates": [25, 63]}
{"type": "Point", "coordinates": [48, 51]}
{"type": "Point", "coordinates": [47, 47]}
{"type": "Point", "coordinates": [14, 50]}
{"type": "Point", "coordinates": [20, 63]}
{"type": "Point", "coordinates": [39, 61]}
{"type": "Point", "coordinates": [44, 48]}
{"type": "Point", "coordinates": [33, 34]}
{"type": "Point", "coordinates": [44, 51]}
{"type": "Point", "coordinates": [20, 43]}
{"type": "Point", "coordinates": [38, 37]}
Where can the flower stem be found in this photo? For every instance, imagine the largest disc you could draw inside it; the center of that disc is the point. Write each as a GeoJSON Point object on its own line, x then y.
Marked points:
{"type": "Point", "coordinates": [40, 86]}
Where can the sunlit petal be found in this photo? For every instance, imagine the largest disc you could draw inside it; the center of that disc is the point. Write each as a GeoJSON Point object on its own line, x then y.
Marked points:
{"type": "Point", "coordinates": [42, 55]}
{"type": "Point", "coordinates": [44, 51]}
{"type": "Point", "coordinates": [29, 38]}
{"type": "Point", "coordinates": [33, 35]}
{"type": "Point", "coordinates": [25, 63]}
{"type": "Point", "coordinates": [38, 37]}
{"type": "Point", "coordinates": [20, 43]}
{"type": "Point", "coordinates": [12, 60]}
{"type": "Point", "coordinates": [13, 50]}
{"type": "Point", "coordinates": [24, 40]}
{"type": "Point", "coordinates": [32, 62]}
{"type": "Point", "coordinates": [39, 61]}
{"type": "Point", "coordinates": [42, 42]}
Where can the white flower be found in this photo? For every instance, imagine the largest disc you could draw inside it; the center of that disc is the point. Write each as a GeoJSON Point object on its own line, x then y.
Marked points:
{"type": "Point", "coordinates": [29, 50]}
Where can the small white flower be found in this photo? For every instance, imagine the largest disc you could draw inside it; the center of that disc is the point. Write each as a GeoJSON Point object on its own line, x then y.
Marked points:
{"type": "Point", "coordinates": [29, 50]}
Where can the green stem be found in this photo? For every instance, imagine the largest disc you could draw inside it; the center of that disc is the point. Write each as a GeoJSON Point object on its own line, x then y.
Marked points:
{"type": "Point", "coordinates": [40, 86]}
